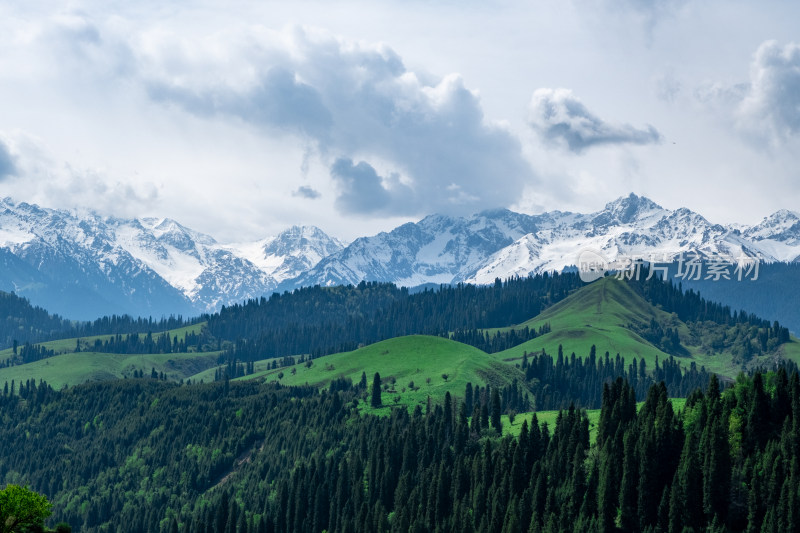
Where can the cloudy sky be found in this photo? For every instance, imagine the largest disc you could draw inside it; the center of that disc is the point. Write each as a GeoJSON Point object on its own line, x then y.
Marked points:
{"type": "Point", "coordinates": [242, 118]}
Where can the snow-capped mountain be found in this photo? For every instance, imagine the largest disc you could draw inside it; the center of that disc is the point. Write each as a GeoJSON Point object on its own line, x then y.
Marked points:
{"type": "Point", "coordinates": [777, 236]}
{"type": "Point", "coordinates": [85, 265]}
{"type": "Point", "coordinates": [499, 244]}
{"type": "Point", "coordinates": [629, 227]}
{"type": "Point", "coordinates": [437, 249]}
{"type": "Point", "coordinates": [289, 254]}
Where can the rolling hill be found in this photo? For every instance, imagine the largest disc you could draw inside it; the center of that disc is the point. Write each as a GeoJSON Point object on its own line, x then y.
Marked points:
{"type": "Point", "coordinates": [69, 367]}
{"type": "Point", "coordinates": [75, 368]}
{"type": "Point", "coordinates": [598, 314]}
{"type": "Point", "coordinates": [420, 359]}
{"type": "Point", "coordinates": [612, 315]}
{"type": "Point", "coordinates": [604, 314]}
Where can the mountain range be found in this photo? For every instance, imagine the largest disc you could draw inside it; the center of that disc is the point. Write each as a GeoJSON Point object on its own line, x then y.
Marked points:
{"type": "Point", "coordinates": [83, 265]}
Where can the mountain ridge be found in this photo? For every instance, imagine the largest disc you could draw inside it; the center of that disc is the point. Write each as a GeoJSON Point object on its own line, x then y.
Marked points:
{"type": "Point", "coordinates": [86, 265]}
{"type": "Point", "coordinates": [82, 265]}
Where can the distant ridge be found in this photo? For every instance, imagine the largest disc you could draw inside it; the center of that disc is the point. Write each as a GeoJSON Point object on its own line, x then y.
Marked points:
{"type": "Point", "coordinates": [85, 265]}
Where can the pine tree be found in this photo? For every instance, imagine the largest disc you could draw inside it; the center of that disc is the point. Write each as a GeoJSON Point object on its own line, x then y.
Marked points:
{"type": "Point", "coordinates": [375, 400]}
{"type": "Point", "coordinates": [630, 475]}
{"type": "Point", "coordinates": [221, 518]}
{"type": "Point", "coordinates": [496, 424]}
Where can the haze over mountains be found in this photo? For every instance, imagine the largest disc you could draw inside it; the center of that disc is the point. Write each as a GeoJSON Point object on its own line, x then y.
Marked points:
{"type": "Point", "coordinates": [86, 265]}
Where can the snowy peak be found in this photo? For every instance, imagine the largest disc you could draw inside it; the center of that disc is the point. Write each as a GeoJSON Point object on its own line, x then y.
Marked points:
{"type": "Point", "coordinates": [172, 233]}
{"type": "Point", "coordinates": [83, 265]}
{"type": "Point", "coordinates": [776, 238]}
{"type": "Point", "coordinates": [288, 254]}
{"type": "Point", "coordinates": [302, 239]}
{"type": "Point", "coordinates": [631, 226]}
{"type": "Point", "coordinates": [783, 226]}
{"type": "Point", "coordinates": [627, 210]}
{"type": "Point", "coordinates": [437, 249]}
{"type": "Point", "coordinates": [147, 266]}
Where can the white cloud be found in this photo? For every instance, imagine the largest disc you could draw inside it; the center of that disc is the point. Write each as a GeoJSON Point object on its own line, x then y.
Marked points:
{"type": "Point", "coordinates": [667, 87]}
{"type": "Point", "coordinates": [560, 117]}
{"type": "Point", "coordinates": [37, 176]}
{"type": "Point", "coordinates": [7, 166]}
{"type": "Point", "coordinates": [304, 191]}
{"type": "Point", "coordinates": [770, 108]}
{"type": "Point", "coordinates": [357, 100]}
{"type": "Point", "coordinates": [226, 117]}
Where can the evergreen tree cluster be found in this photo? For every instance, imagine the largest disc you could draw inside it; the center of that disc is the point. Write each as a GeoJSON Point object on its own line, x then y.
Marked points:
{"type": "Point", "coordinates": [487, 404]}
{"type": "Point", "coordinates": [497, 341]}
{"type": "Point", "coordinates": [126, 324]}
{"type": "Point", "coordinates": [234, 369]}
{"type": "Point", "coordinates": [21, 322]}
{"type": "Point", "coordinates": [323, 320]}
{"type": "Point", "coordinates": [557, 382]}
{"type": "Point", "coordinates": [135, 343]}
{"type": "Point", "coordinates": [143, 455]}
{"type": "Point", "coordinates": [27, 353]}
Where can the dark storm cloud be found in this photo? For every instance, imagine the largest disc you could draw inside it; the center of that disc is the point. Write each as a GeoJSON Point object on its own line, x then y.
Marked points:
{"type": "Point", "coordinates": [279, 101]}
{"type": "Point", "coordinates": [360, 188]}
{"type": "Point", "coordinates": [561, 118]}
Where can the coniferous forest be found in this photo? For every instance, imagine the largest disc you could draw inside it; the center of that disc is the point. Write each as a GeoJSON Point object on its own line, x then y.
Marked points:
{"type": "Point", "coordinates": [143, 455]}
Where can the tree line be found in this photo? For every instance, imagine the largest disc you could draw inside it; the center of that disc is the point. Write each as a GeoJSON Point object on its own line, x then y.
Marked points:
{"type": "Point", "coordinates": [317, 321]}
{"type": "Point", "coordinates": [21, 322]}
{"type": "Point", "coordinates": [322, 320]}
{"type": "Point", "coordinates": [144, 455]}
{"type": "Point", "coordinates": [556, 382]}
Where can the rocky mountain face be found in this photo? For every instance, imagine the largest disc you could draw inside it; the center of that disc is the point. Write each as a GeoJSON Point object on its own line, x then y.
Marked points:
{"type": "Point", "coordinates": [82, 265]}
{"type": "Point", "coordinates": [437, 249]}
{"type": "Point", "coordinates": [500, 243]}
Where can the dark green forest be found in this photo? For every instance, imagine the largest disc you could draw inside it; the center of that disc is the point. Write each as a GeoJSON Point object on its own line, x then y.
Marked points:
{"type": "Point", "coordinates": [320, 321]}
{"type": "Point", "coordinates": [21, 322]}
{"type": "Point", "coordinates": [144, 455]}
{"type": "Point", "coordinates": [317, 321]}
{"type": "Point", "coordinates": [558, 382]}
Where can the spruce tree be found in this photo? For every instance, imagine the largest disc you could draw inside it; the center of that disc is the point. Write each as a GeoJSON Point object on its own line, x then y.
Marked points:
{"type": "Point", "coordinates": [496, 424]}
{"type": "Point", "coordinates": [375, 400]}
{"type": "Point", "coordinates": [630, 474]}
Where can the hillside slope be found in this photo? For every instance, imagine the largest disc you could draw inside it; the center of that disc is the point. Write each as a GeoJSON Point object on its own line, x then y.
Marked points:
{"type": "Point", "coordinates": [420, 359]}
{"type": "Point", "coordinates": [598, 314]}
{"type": "Point", "coordinates": [609, 314]}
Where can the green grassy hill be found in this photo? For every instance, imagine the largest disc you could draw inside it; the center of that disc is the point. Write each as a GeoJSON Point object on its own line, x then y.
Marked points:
{"type": "Point", "coordinates": [75, 368]}
{"type": "Point", "coordinates": [68, 345]}
{"type": "Point", "coordinates": [597, 314]}
{"type": "Point", "coordinates": [70, 368]}
{"type": "Point", "coordinates": [600, 314]}
{"type": "Point", "coordinates": [417, 358]}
